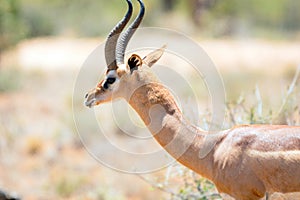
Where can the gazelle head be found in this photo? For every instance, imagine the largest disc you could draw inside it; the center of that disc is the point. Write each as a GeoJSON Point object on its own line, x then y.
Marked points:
{"type": "Point", "coordinates": [121, 75]}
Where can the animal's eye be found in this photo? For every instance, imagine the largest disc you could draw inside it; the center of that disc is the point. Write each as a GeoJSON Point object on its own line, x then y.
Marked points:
{"type": "Point", "coordinates": [110, 80]}
{"type": "Point", "coordinates": [105, 85]}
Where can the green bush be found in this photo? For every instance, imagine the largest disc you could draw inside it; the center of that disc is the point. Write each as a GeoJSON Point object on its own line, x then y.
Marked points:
{"type": "Point", "coordinates": [11, 28]}
{"type": "Point", "coordinates": [10, 80]}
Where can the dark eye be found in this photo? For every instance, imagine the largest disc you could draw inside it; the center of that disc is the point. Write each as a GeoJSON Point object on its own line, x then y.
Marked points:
{"type": "Point", "coordinates": [110, 80]}
{"type": "Point", "coordinates": [105, 85]}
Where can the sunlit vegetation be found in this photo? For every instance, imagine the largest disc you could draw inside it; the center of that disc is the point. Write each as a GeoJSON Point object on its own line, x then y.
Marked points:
{"type": "Point", "coordinates": [21, 19]}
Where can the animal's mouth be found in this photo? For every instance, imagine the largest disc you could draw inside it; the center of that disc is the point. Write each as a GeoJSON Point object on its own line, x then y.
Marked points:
{"type": "Point", "coordinates": [90, 100]}
{"type": "Point", "coordinates": [90, 103]}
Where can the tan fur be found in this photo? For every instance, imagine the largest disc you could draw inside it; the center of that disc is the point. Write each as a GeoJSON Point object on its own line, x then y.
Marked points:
{"type": "Point", "coordinates": [246, 161]}
{"type": "Point", "coordinates": [153, 57]}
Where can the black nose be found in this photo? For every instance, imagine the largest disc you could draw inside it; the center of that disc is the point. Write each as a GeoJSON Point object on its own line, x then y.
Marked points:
{"type": "Point", "coordinates": [86, 95]}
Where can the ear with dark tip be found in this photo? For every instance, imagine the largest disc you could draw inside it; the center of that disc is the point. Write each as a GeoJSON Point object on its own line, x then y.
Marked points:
{"type": "Point", "coordinates": [154, 56]}
{"type": "Point", "coordinates": [134, 62]}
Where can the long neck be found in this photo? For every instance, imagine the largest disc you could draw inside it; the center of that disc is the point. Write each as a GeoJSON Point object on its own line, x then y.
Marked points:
{"type": "Point", "coordinates": [159, 111]}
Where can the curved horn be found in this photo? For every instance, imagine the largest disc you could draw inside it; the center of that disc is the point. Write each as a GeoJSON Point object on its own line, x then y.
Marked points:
{"type": "Point", "coordinates": [124, 39]}
{"type": "Point", "coordinates": [112, 39]}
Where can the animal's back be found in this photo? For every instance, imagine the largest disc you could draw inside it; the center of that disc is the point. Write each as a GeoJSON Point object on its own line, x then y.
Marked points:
{"type": "Point", "coordinates": [264, 138]}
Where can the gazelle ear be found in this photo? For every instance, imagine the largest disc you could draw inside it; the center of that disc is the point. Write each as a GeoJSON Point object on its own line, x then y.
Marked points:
{"type": "Point", "coordinates": [134, 62]}
{"type": "Point", "coordinates": [154, 56]}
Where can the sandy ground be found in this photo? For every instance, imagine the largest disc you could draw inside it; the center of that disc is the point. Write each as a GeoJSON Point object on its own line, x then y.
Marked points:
{"type": "Point", "coordinates": [62, 53]}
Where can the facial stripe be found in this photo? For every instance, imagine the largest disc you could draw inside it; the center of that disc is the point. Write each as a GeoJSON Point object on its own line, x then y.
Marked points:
{"type": "Point", "coordinates": [100, 84]}
{"type": "Point", "coordinates": [111, 73]}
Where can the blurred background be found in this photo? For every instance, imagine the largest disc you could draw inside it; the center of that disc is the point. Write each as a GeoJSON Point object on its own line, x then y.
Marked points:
{"type": "Point", "coordinates": [254, 44]}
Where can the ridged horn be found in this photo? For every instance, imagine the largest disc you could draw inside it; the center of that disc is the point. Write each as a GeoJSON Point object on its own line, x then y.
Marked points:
{"type": "Point", "coordinates": [112, 39]}
{"type": "Point", "coordinates": [125, 37]}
